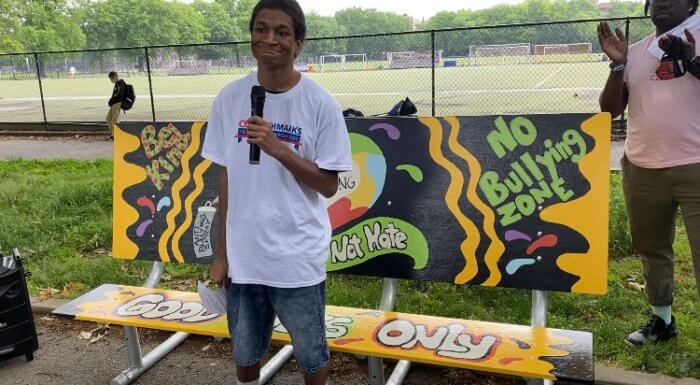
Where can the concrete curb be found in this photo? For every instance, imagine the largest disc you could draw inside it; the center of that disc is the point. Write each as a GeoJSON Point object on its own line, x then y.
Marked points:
{"type": "Point", "coordinates": [614, 376]}
{"type": "Point", "coordinates": [603, 375]}
{"type": "Point", "coordinates": [46, 306]}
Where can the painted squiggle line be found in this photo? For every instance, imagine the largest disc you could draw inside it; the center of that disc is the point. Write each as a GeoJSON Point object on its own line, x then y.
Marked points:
{"type": "Point", "coordinates": [391, 130]}
{"type": "Point", "coordinates": [413, 171]}
{"type": "Point", "coordinates": [179, 184]}
{"type": "Point", "coordinates": [591, 266]}
{"type": "Point", "coordinates": [545, 241]}
{"type": "Point", "coordinates": [514, 235]}
{"type": "Point", "coordinates": [516, 264]}
{"type": "Point", "coordinates": [473, 236]}
{"type": "Point", "coordinates": [125, 176]}
{"type": "Point", "coordinates": [189, 201]}
{"type": "Point", "coordinates": [164, 202]}
{"type": "Point", "coordinates": [496, 247]}
{"type": "Point", "coordinates": [141, 229]}
{"type": "Point", "coordinates": [145, 202]}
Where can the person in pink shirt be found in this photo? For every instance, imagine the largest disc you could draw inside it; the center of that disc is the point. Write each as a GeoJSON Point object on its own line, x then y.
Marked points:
{"type": "Point", "coordinates": [661, 167]}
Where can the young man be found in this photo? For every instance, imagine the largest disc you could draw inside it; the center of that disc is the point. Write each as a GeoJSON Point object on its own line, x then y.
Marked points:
{"type": "Point", "coordinates": [660, 79]}
{"type": "Point", "coordinates": [274, 228]}
{"type": "Point", "coordinates": [115, 102]}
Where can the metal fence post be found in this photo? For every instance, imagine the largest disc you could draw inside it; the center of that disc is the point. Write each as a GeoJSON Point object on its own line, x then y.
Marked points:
{"type": "Point", "coordinates": [41, 88]}
{"type": "Point", "coordinates": [623, 124]}
{"type": "Point", "coordinates": [235, 61]}
{"type": "Point", "coordinates": [432, 49]}
{"type": "Point", "coordinates": [150, 84]}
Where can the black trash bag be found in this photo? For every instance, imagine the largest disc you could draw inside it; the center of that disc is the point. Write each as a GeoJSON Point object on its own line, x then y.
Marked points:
{"type": "Point", "coordinates": [352, 113]}
{"type": "Point", "coordinates": [403, 108]}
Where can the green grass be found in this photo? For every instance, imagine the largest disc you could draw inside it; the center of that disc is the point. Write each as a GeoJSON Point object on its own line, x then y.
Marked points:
{"type": "Point", "coordinates": [466, 90]}
{"type": "Point", "coordinates": [59, 214]}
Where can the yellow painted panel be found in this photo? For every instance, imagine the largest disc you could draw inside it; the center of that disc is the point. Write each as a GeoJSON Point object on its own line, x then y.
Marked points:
{"type": "Point", "coordinates": [125, 176]}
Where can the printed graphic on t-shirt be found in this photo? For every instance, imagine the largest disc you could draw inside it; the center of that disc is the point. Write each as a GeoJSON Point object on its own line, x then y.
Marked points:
{"type": "Point", "coordinates": [668, 69]}
{"type": "Point", "coordinates": [284, 132]}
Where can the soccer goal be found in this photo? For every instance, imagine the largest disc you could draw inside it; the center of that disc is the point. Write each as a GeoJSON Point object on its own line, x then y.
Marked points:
{"type": "Point", "coordinates": [347, 62]}
{"type": "Point", "coordinates": [189, 67]}
{"type": "Point", "coordinates": [563, 53]}
{"type": "Point", "coordinates": [413, 59]}
{"type": "Point", "coordinates": [500, 53]}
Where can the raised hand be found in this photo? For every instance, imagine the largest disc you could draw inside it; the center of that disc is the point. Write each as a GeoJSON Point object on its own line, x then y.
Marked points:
{"type": "Point", "coordinates": [678, 49]}
{"type": "Point", "coordinates": [613, 44]}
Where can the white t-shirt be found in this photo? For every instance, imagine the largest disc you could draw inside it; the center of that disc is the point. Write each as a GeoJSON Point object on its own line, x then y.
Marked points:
{"type": "Point", "coordinates": [278, 231]}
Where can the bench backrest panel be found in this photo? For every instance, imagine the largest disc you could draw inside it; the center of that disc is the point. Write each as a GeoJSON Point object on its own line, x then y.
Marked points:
{"type": "Point", "coordinates": [493, 200]}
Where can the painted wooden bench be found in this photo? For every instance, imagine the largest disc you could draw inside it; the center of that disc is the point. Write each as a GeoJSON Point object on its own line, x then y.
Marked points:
{"type": "Point", "coordinates": [492, 201]}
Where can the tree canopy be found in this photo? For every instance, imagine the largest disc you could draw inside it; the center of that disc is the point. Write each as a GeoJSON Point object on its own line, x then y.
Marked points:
{"type": "Point", "coordinates": [40, 25]}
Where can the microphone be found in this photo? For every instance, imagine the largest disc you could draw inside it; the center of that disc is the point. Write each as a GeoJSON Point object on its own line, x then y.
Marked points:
{"type": "Point", "coordinates": [257, 103]}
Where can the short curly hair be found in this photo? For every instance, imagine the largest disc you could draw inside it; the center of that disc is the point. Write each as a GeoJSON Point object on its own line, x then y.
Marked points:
{"type": "Point", "coordinates": [291, 8]}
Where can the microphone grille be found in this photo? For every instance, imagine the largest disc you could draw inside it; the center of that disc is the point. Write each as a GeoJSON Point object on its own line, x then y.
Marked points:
{"type": "Point", "coordinates": [258, 91]}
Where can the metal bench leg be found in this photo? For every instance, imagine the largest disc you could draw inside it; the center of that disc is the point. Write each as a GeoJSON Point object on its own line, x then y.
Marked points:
{"type": "Point", "coordinates": [376, 364]}
{"type": "Point", "coordinates": [400, 372]}
{"type": "Point", "coordinates": [275, 364]}
{"type": "Point", "coordinates": [376, 370]}
{"type": "Point", "coordinates": [540, 307]}
{"type": "Point", "coordinates": [139, 364]}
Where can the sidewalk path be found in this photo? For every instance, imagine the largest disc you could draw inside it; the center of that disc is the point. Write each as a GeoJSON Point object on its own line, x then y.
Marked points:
{"type": "Point", "coordinates": [87, 149]}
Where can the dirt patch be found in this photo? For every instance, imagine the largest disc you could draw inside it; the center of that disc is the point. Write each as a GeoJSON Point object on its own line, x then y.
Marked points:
{"type": "Point", "coordinates": [66, 358]}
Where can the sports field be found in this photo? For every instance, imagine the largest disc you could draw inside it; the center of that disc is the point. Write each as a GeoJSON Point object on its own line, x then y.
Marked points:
{"type": "Point", "coordinates": [464, 90]}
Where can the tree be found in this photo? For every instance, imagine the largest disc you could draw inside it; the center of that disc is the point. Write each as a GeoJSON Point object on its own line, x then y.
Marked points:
{"type": "Point", "coordinates": [129, 23]}
{"type": "Point", "coordinates": [360, 21]}
{"type": "Point", "coordinates": [72, 24]}
{"type": "Point", "coordinates": [620, 8]}
{"type": "Point", "coordinates": [240, 11]}
{"type": "Point", "coordinates": [219, 27]}
{"type": "Point", "coordinates": [190, 24]}
{"type": "Point", "coordinates": [218, 24]}
{"type": "Point", "coordinates": [38, 25]}
{"type": "Point", "coordinates": [9, 23]}
{"type": "Point", "coordinates": [324, 26]}
{"type": "Point", "coordinates": [457, 43]}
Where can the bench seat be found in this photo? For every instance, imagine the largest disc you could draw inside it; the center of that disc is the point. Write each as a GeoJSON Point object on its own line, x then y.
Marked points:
{"type": "Point", "coordinates": [524, 351]}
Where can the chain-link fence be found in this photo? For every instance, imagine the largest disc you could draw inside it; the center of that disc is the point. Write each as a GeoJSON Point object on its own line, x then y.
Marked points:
{"type": "Point", "coordinates": [551, 67]}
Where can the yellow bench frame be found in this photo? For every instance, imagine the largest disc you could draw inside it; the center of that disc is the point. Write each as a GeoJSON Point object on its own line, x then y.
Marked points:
{"type": "Point", "coordinates": [378, 334]}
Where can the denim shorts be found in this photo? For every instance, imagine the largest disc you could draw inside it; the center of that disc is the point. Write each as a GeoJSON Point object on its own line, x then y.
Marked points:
{"type": "Point", "coordinates": [253, 312]}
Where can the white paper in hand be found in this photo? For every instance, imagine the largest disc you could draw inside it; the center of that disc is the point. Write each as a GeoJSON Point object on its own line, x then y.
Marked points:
{"type": "Point", "coordinates": [214, 301]}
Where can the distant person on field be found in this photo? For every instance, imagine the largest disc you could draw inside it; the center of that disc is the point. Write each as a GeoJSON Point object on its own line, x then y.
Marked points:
{"type": "Point", "coordinates": [658, 78]}
{"type": "Point", "coordinates": [115, 102]}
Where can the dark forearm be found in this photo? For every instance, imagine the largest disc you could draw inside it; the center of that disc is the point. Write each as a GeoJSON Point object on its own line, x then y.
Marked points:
{"type": "Point", "coordinates": [222, 211]}
{"type": "Point", "coordinates": [614, 96]}
{"type": "Point", "coordinates": [308, 173]}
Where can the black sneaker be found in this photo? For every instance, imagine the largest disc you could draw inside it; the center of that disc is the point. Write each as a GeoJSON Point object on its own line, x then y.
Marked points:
{"type": "Point", "coordinates": [653, 332]}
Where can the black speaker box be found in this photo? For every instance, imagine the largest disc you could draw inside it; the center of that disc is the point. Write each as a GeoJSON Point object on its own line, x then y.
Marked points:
{"type": "Point", "coordinates": [17, 330]}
